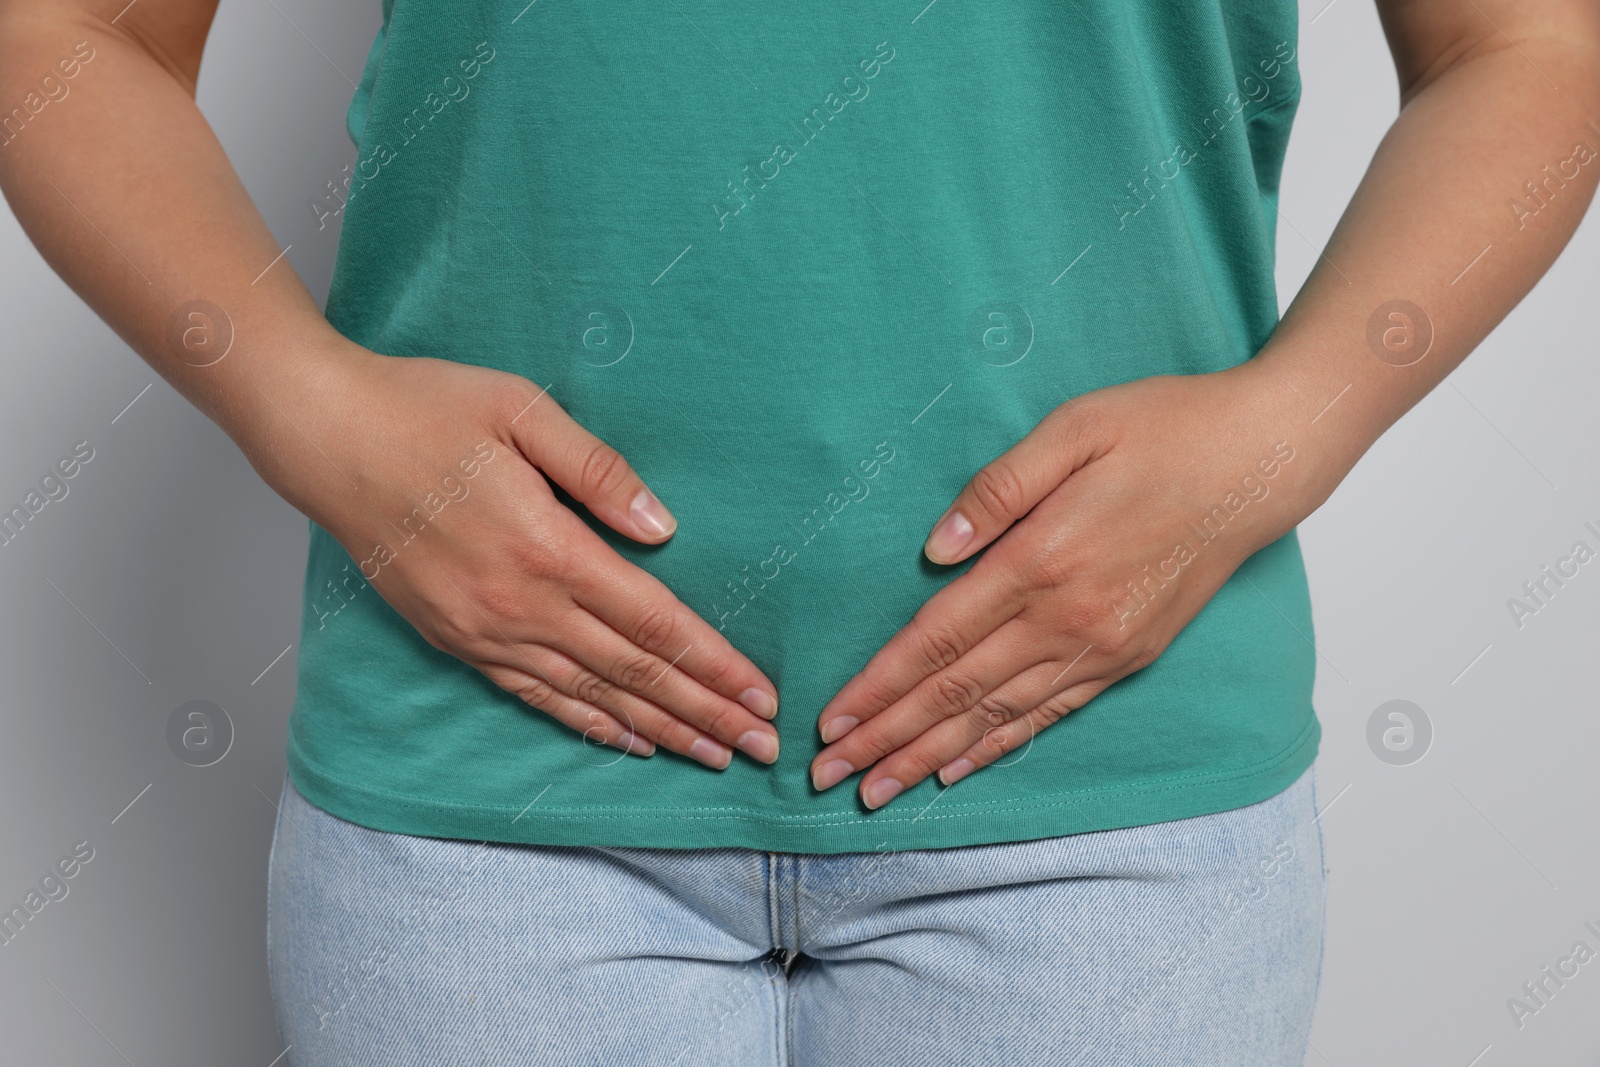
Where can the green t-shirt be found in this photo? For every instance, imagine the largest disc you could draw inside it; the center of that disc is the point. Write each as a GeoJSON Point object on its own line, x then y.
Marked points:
{"type": "Point", "coordinates": [809, 267]}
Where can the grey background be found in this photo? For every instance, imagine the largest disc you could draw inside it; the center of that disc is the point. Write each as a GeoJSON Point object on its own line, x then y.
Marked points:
{"type": "Point", "coordinates": [170, 573]}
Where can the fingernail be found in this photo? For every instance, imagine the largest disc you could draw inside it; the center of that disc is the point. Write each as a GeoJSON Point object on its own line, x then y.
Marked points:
{"type": "Point", "coordinates": [651, 516]}
{"type": "Point", "coordinates": [760, 744]}
{"type": "Point", "coordinates": [956, 770]}
{"type": "Point", "coordinates": [831, 774]}
{"type": "Point", "coordinates": [639, 746]}
{"type": "Point", "coordinates": [837, 727]}
{"type": "Point", "coordinates": [881, 792]}
{"type": "Point", "coordinates": [949, 537]}
{"type": "Point", "coordinates": [710, 753]}
{"type": "Point", "coordinates": [760, 702]}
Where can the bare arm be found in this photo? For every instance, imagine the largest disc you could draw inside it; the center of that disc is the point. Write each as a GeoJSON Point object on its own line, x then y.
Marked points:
{"type": "Point", "coordinates": [118, 179]}
{"type": "Point", "coordinates": [1474, 191]}
{"type": "Point", "coordinates": [126, 192]}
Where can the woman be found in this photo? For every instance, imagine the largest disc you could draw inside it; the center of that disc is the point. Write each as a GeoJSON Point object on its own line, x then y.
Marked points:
{"type": "Point", "coordinates": [918, 368]}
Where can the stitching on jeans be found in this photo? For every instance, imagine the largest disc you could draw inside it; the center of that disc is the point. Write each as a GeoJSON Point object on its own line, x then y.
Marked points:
{"type": "Point", "coordinates": [788, 1021]}
{"type": "Point", "coordinates": [1322, 941]}
{"type": "Point", "coordinates": [780, 979]}
{"type": "Point", "coordinates": [988, 807]}
{"type": "Point", "coordinates": [780, 1051]}
{"type": "Point", "coordinates": [284, 799]}
{"type": "Point", "coordinates": [774, 920]}
{"type": "Point", "coordinates": [790, 962]}
{"type": "Point", "coordinates": [794, 884]}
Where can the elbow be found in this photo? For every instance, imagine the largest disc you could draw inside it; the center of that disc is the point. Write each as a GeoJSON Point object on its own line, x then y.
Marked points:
{"type": "Point", "coordinates": [1556, 45]}
{"type": "Point", "coordinates": [56, 41]}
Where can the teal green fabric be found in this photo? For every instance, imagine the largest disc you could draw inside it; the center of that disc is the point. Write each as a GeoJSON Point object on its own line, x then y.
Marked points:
{"type": "Point", "coordinates": [809, 266]}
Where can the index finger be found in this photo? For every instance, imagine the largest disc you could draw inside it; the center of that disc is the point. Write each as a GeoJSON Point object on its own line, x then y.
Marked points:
{"type": "Point", "coordinates": [952, 621]}
{"type": "Point", "coordinates": [1009, 486]}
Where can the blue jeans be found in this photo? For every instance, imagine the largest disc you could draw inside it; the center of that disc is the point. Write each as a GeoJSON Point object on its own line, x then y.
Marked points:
{"type": "Point", "coordinates": [1191, 942]}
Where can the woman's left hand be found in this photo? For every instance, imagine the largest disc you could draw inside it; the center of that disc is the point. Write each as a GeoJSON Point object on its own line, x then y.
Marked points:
{"type": "Point", "coordinates": [1122, 514]}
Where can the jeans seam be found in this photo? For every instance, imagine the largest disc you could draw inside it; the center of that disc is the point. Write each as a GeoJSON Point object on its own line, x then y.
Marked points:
{"type": "Point", "coordinates": [779, 979]}
{"type": "Point", "coordinates": [780, 1004]}
{"type": "Point", "coordinates": [794, 885]}
{"type": "Point", "coordinates": [272, 851]}
{"type": "Point", "coordinates": [786, 1054]}
{"type": "Point", "coordinates": [1322, 938]}
{"type": "Point", "coordinates": [795, 863]}
{"type": "Point", "coordinates": [774, 916]}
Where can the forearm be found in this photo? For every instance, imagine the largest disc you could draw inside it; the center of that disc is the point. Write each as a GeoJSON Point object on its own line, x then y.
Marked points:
{"type": "Point", "coordinates": [123, 187]}
{"type": "Point", "coordinates": [1445, 219]}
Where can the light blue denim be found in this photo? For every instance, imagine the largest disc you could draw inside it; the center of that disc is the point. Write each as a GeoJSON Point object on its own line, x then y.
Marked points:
{"type": "Point", "coordinates": [1193, 942]}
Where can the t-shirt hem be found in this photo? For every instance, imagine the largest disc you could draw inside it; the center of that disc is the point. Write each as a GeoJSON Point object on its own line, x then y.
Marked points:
{"type": "Point", "coordinates": [948, 825]}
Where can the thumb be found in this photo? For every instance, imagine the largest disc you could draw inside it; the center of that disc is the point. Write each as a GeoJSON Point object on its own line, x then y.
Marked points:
{"type": "Point", "coordinates": [591, 470]}
{"type": "Point", "coordinates": [1008, 487]}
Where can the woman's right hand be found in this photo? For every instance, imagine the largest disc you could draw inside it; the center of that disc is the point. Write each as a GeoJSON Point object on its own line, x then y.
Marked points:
{"type": "Point", "coordinates": [505, 578]}
{"type": "Point", "coordinates": [496, 571]}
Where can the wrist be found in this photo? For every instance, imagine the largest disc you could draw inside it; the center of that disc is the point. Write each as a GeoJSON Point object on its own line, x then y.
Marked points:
{"type": "Point", "coordinates": [291, 421]}
{"type": "Point", "coordinates": [1308, 456]}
